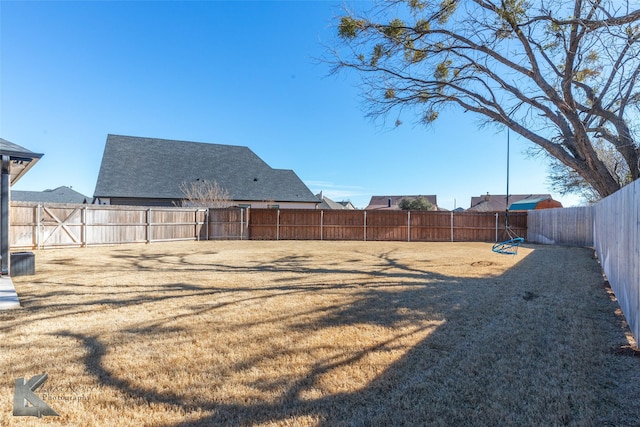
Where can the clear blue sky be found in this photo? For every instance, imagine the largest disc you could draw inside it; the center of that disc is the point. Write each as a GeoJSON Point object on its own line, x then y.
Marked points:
{"type": "Point", "coordinates": [237, 73]}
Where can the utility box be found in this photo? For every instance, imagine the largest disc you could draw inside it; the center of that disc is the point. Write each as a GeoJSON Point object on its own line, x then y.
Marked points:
{"type": "Point", "coordinates": [23, 264]}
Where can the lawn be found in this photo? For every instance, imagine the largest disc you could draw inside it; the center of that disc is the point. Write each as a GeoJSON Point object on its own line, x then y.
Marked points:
{"type": "Point", "coordinates": [320, 334]}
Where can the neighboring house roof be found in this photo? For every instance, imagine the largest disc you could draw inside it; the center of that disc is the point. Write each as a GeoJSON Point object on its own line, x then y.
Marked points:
{"type": "Point", "coordinates": [391, 202]}
{"type": "Point", "coordinates": [498, 202]}
{"type": "Point", "coordinates": [134, 167]}
{"type": "Point", "coordinates": [57, 195]}
{"type": "Point", "coordinates": [531, 204]}
{"type": "Point", "coordinates": [327, 203]}
{"type": "Point", "coordinates": [21, 159]}
{"type": "Point", "coordinates": [348, 205]}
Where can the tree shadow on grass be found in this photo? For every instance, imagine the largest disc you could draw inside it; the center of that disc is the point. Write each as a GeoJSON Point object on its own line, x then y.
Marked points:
{"type": "Point", "coordinates": [533, 347]}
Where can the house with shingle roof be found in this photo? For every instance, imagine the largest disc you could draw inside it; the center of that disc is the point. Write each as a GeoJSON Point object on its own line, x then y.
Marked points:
{"type": "Point", "coordinates": [498, 202]}
{"type": "Point", "coordinates": [153, 172]}
{"type": "Point", "coordinates": [329, 204]}
{"type": "Point", "coordinates": [57, 195]}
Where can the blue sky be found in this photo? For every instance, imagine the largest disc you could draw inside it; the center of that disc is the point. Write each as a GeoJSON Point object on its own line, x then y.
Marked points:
{"type": "Point", "coordinates": [237, 73]}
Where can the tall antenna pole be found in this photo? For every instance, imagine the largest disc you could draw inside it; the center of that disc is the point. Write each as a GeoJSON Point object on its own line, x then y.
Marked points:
{"type": "Point", "coordinates": [507, 208]}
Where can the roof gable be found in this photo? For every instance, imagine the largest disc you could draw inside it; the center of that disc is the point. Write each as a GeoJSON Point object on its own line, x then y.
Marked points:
{"type": "Point", "coordinates": [135, 167]}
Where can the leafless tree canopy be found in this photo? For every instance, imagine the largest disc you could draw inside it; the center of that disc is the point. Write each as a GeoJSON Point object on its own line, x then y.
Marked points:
{"type": "Point", "coordinates": [204, 193]}
{"type": "Point", "coordinates": [561, 74]}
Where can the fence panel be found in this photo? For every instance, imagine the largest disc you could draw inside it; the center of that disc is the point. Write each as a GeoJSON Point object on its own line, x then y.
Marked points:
{"type": "Point", "coordinates": [562, 226]}
{"type": "Point", "coordinates": [299, 224]}
{"type": "Point", "coordinates": [23, 231]}
{"type": "Point", "coordinates": [227, 224]}
{"type": "Point", "coordinates": [617, 241]}
{"type": "Point", "coordinates": [343, 225]}
{"type": "Point", "coordinates": [388, 225]}
{"type": "Point", "coordinates": [488, 226]}
{"type": "Point", "coordinates": [430, 226]}
{"type": "Point", "coordinates": [114, 226]}
{"type": "Point", "coordinates": [263, 224]}
{"type": "Point", "coordinates": [57, 225]}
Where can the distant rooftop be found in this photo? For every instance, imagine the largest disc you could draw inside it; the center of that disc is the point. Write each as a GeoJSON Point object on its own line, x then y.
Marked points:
{"type": "Point", "coordinates": [391, 202]}
{"type": "Point", "coordinates": [498, 202]}
{"type": "Point", "coordinates": [57, 195]}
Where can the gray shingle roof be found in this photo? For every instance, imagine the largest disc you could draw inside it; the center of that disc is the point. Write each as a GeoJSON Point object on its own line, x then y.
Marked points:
{"type": "Point", "coordinates": [57, 195]}
{"type": "Point", "coordinates": [136, 167]}
{"type": "Point", "coordinates": [327, 203]}
{"type": "Point", "coordinates": [15, 150]}
{"type": "Point", "coordinates": [21, 159]}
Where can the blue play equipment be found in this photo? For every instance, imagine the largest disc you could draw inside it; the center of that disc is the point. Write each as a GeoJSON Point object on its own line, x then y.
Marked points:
{"type": "Point", "coordinates": [508, 247]}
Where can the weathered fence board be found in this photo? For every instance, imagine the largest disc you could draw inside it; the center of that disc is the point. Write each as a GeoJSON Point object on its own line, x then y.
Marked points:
{"type": "Point", "coordinates": [562, 226]}
{"type": "Point", "coordinates": [227, 224]}
{"type": "Point", "coordinates": [58, 225]}
{"type": "Point", "coordinates": [617, 242]}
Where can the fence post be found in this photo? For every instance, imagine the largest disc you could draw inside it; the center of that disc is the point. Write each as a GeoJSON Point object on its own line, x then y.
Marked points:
{"type": "Point", "coordinates": [365, 226]}
{"type": "Point", "coordinates": [247, 221]}
{"type": "Point", "coordinates": [148, 219]}
{"type": "Point", "coordinates": [83, 234]}
{"type": "Point", "coordinates": [37, 230]}
{"type": "Point", "coordinates": [496, 227]}
{"type": "Point", "coordinates": [452, 226]}
{"type": "Point", "coordinates": [408, 226]}
{"type": "Point", "coordinates": [196, 223]}
{"type": "Point", "coordinates": [321, 224]}
{"type": "Point", "coordinates": [278, 226]}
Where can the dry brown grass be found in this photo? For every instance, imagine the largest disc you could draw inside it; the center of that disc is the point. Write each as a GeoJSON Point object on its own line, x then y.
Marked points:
{"type": "Point", "coordinates": [319, 333]}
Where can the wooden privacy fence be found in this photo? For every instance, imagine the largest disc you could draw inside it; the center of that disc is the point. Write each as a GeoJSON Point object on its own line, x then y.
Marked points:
{"type": "Point", "coordinates": [57, 225]}
{"type": "Point", "coordinates": [228, 224]}
{"type": "Point", "coordinates": [412, 226]}
{"type": "Point", "coordinates": [612, 227]}
{"type": "Point", "coordinates": [562, 226]}
{"type": "Point", "coordinates": [616, 228]}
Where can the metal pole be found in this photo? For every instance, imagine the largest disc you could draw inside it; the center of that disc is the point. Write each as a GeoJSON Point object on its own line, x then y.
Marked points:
{"type": "Point", "coordinates": [507, 207]}
{"type": "Point", "coordinates": [4, 227]}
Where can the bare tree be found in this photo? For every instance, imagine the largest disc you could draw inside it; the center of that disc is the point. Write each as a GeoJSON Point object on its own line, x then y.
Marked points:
{"type": "Point", "coordinates": [561, 74]}
{"type": "Point", "coordinates": [205, 193]}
